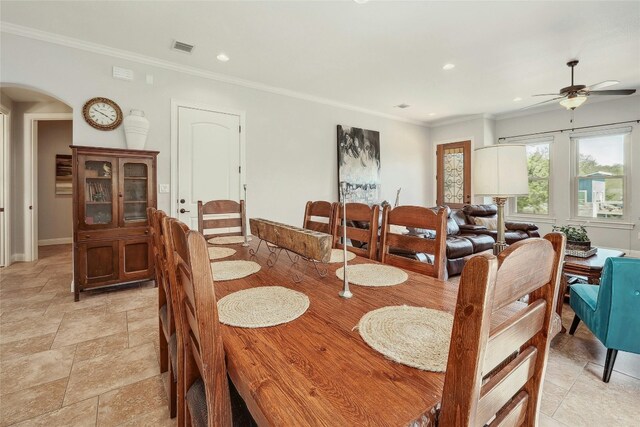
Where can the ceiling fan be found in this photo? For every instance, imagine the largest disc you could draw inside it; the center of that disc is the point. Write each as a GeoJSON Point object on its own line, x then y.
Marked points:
{"type": "Point", "coordinates": [575, 95]}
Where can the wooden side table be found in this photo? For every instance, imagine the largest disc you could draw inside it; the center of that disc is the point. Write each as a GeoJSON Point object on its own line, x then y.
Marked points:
{"type": "Point", "coordinates": [591, 268]}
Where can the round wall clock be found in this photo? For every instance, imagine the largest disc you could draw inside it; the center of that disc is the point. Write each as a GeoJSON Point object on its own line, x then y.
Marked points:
{"type": "Point", "coordinates": [102, 113]}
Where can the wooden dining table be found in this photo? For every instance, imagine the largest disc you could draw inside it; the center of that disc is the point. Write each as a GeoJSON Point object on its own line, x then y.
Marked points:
{"type": "Point", "coordinates": [317, 370]}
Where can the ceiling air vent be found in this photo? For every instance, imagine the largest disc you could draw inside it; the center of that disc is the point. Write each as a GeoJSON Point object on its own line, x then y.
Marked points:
{"type": "Point", "coordinates": [403, 106]}
{"type": "Point", "coordinates": [182, 47]}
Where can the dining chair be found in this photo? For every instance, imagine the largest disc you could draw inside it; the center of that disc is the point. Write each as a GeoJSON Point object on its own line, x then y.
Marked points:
{"type": "Point", "coordinates": [435, 249]}
{"type": "Point", "coordinates": [210, 223]}
{"type": "Point", "coordinates": [362, 228]}
{"type": "Point", "coordinates": [166, 316]}
{"type": "Point", "coordinates": [171, 227]}
{"type": "Point", "coordinates": [318, 216]}
{"type": "Point", "coordinates": [206, 389]}
{"type": "Point", "coordinates": [610, 310]}
{"type": "Point", "coordinates": [494, 374]}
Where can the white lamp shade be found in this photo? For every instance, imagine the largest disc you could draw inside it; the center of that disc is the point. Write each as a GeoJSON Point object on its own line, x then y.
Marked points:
{"type": "Point", "coordinates": [501, 171]}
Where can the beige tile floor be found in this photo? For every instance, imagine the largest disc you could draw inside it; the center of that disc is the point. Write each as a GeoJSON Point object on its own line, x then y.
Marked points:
{"type": "Point", "coordinates": [95, 362]}
{"type": "Point", "coordinates": [87, 363]}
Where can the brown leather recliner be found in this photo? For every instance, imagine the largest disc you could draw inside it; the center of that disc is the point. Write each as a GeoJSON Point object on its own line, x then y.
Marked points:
{"type": "Point", "coordinates": [514, 231]}
{"type": "Point", "coordinates": [463, 243]}
{"type": "Point", "coordinates": [459, 246]}
{"type": "Point", "coordinates": [466, 239]}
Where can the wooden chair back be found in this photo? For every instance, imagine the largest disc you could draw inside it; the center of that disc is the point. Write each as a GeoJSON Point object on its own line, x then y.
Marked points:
{"type": "Point", "coordinates": [210, 222]}
{"type": "Point", "coordinates": [484, 382]}
{"type": "Point", "coordinates": [156, 218]}
{"type": "Point", "coordinates": [362, 213]}
{"type": "Point", "coordinates": [417, 217]}
{"type": "Point", "coordinates": [202, 346]}
{"type": "Point", "coordinates": [154, 231]}
{"type": "Point", "coordinates": [166, 302]}
{"type": "Point", "coordinates": [319, 210]}
{"type": "Point", "coordinates": [174, 293]}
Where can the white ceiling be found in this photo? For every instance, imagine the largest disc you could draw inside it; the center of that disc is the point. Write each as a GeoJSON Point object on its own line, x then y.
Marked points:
{"type": "Point", "coordinates": [375, 55]}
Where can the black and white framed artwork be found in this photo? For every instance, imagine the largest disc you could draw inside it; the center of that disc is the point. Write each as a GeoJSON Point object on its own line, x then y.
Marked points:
{"type": "Point", "coordinates": [359, 164]}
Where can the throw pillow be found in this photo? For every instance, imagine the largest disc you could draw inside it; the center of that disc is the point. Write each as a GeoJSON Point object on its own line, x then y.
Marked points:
{"type": "Point", "coordinates": [398, 229]}
{"type": "Point", "coordinates": [490, 223]}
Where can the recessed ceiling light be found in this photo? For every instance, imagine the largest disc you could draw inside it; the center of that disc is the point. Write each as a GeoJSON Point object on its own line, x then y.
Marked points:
{"type": "Point", "coordinates": [403, 105]}
{"type": "Point", "coordinates": [448, 67]}
{"type": "Point", "coordinates": [517, 99]}
{"type": "Point", "coordinates": [222, 57]}
{"type": "Point", "coordinates": [361, 1]}
{"type": "Point", "coordinates": [432, 114]}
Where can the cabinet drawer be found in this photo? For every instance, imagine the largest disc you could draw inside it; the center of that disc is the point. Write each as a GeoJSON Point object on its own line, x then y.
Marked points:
{"type": "Point", "coordinates": [112, 234]}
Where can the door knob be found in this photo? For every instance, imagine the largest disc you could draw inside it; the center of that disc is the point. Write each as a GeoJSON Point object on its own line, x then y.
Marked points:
{"type": "Point", "coordinates": [183, 210]}
{"type": "Point", "coordinates": [182, 201]}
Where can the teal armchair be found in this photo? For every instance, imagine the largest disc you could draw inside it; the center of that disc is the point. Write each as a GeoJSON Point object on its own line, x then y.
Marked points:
{"type": "Point", "coordinates": [611, 310]}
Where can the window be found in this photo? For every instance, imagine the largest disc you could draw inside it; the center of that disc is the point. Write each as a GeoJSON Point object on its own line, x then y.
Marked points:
{"type": "Point", "coordinates": [538, 161]}
{"type": "Point", "coordinates": [599, 183]}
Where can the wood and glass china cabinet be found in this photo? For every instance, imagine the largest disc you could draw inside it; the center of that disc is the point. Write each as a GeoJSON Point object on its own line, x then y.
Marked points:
{"type": "Point", "coordinates": [112, 189]}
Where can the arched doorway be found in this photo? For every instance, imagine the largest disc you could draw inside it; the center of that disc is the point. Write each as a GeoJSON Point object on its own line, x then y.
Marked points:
{"type": "Point", "coordinates": [38, 131]}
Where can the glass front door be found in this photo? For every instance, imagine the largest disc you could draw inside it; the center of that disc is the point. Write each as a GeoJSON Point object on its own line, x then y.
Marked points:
{"type": "Point", "coordinates": [454, 174]}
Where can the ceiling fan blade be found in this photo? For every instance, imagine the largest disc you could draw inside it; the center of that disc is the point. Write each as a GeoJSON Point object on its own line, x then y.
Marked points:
{"type": "Point", "coordinates": [547, 94]}
{"type": "Point", "coordinates": [540, 103]}
{"type": "Point", "coordinates": [603, 84]}
{"type": "Point", "coordinates": [613, 92]}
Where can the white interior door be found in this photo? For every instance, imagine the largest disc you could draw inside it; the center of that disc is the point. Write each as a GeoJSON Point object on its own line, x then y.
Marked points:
{"type": "Point", "coordinates": [208, 160]}
{"type": "Point", "coordinates": [2, 206]}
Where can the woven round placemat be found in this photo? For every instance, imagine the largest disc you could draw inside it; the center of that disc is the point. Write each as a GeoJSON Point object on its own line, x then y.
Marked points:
{"type": "Point", "coordinates": [230, 270]}
{"type": "Point", "coordinates": [414, 336]}
{"type": "Point", "coordinates": [216, 252]}
{"type": "Point", "coordinates": [373, 275]}
{"type": "Point", "coordinates": [262, 307]}
{"type": "Point", "coordinates": [337, 255]}
{"type": "Point", "coordinates": [227, 240]}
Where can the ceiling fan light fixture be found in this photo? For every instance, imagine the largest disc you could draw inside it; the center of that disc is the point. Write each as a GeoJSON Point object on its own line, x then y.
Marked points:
{"type": "Point", "coordinates": [574, 102]}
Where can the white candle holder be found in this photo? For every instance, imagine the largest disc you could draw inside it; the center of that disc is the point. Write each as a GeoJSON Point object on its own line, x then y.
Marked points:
{"type": "Point", "coordinates": [345, 292]}
{"type": "Point", "coordinates": [244, 233]}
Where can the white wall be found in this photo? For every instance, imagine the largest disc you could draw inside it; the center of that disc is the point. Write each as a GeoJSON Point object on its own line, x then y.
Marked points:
{"type": "Point", "coordinates": [291, 143]}
{"type": "Point", "coordinates": [54, 211]}
{"type": "Point", "coordinates": [594, 113]}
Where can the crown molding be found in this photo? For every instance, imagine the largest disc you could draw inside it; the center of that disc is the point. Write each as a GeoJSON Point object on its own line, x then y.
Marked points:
{"type": "Point", "coordinates": [32, 33]}
{"type": "Point", "coordinates": [459, 119]}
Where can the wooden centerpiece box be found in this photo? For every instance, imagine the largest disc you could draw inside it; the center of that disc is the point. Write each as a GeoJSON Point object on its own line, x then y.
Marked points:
{"type": "Point", "coordinates": [112, 189]}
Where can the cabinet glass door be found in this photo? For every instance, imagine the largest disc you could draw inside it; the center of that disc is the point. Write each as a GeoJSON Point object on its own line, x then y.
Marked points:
{"type": "Point", "coordinates": [97, 198]}
{"type": "Point", "coordinates": [135, 192]}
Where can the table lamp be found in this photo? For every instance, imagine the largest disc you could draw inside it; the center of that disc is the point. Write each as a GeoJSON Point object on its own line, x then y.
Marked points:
{"type": "Point", "coordinates": [500, 171]}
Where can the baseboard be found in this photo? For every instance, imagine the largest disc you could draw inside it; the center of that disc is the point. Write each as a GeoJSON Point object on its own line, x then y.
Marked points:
{"type": "Point", "coordinates": [59, 241]}
{"type": "Point", "coordinates": [17, 258]}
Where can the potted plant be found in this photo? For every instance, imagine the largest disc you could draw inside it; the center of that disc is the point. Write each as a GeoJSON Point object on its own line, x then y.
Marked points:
{"type": "Point", "coordinates": [577, 238]}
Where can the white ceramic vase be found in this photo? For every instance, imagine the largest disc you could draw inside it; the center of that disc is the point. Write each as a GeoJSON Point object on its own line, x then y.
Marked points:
{"type": "Point", "coordinates": [136, 128]}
